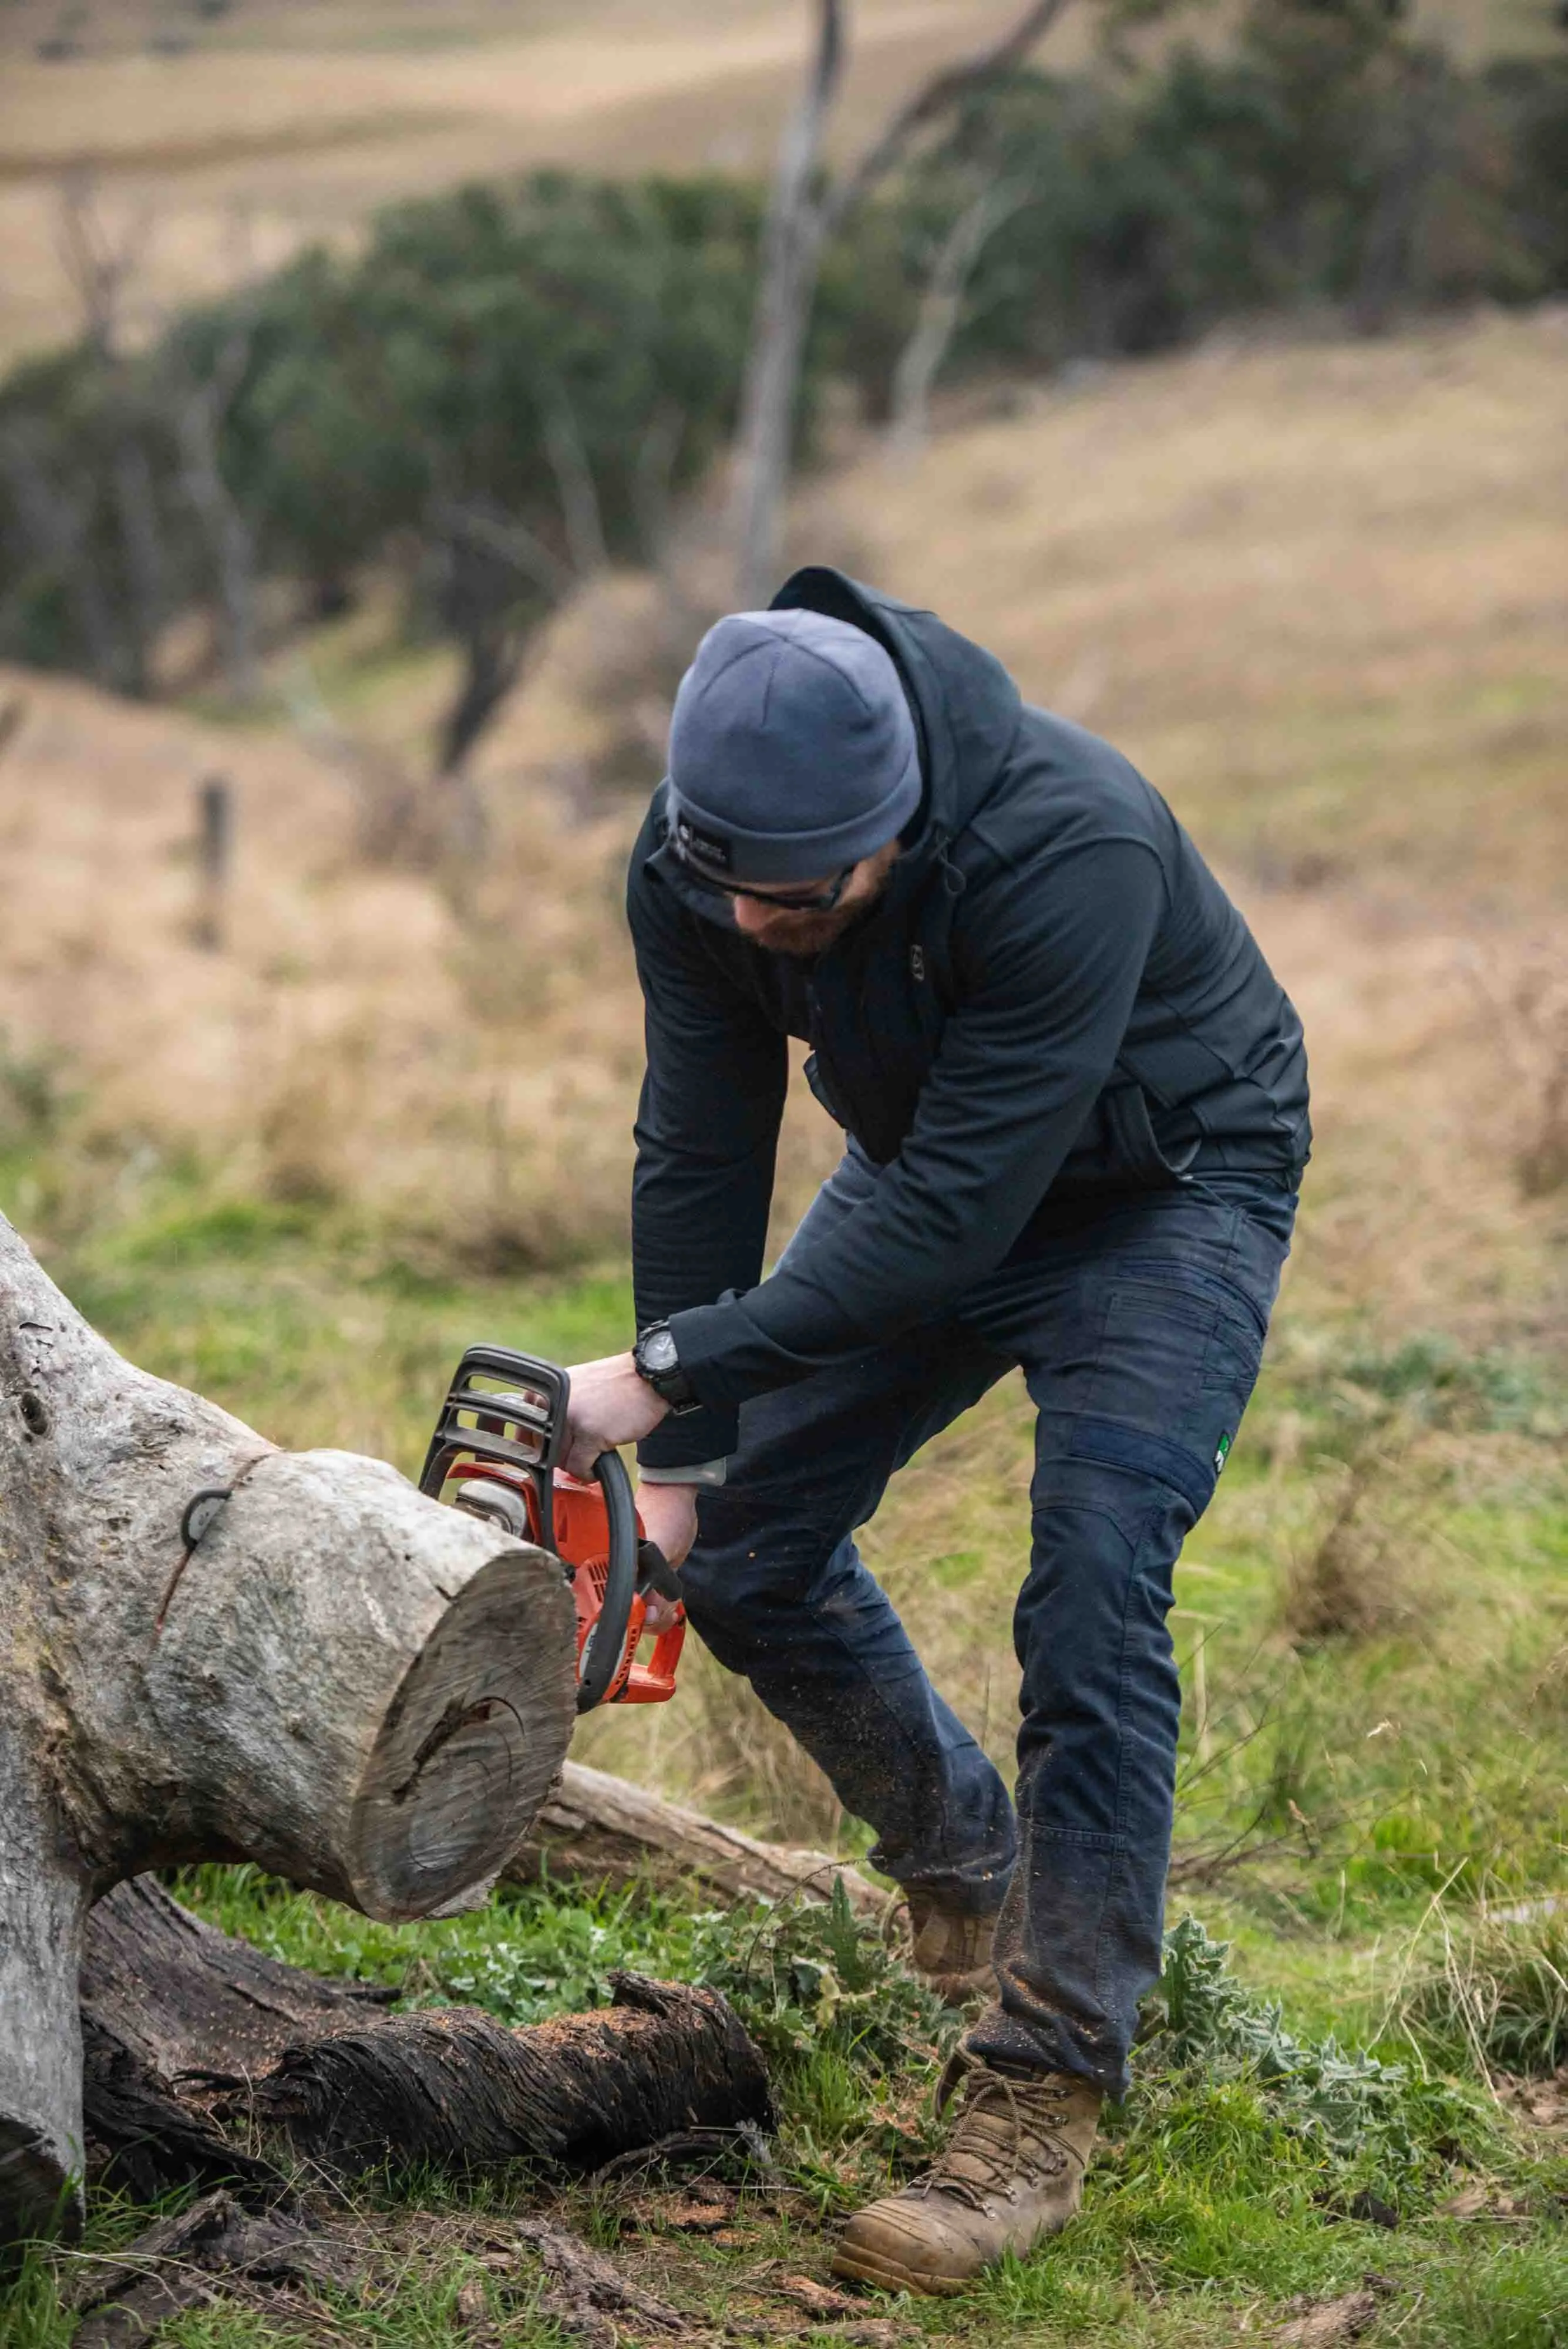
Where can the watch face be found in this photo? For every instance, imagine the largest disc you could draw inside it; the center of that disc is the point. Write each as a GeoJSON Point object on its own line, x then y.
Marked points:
{"type": "Point", "coordinates": [658, 1351]}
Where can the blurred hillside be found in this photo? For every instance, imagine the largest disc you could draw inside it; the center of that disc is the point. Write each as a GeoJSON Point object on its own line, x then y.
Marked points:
{"type": "Point", "coordinates": [228, 135]}
{"type": "Point", "coordinates": [1316, 590]}
{"type": "Point", "coordinates": [299, 120]}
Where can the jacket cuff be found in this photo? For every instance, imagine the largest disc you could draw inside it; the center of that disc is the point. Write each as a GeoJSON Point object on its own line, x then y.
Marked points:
{"type": "Point", "coordinates": [699, 1471]}
{"type": "Point", "coordinates": [695, 1437]}
{"type": "Point", "coordinates": [729, 1358]}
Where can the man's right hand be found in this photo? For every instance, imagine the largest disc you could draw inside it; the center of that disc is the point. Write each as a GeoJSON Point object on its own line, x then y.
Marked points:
{"type": "Point", "coordinates": [669, 1514]}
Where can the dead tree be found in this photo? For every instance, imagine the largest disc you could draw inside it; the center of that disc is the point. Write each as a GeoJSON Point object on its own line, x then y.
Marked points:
{"type": "Point", "coordinates": [807, 209]}
{"type": "Point", "coordinates": [216, 1649]}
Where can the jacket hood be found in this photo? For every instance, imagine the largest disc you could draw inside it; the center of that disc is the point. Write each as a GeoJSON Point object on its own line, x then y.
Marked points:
{"type": "Point", "coordinates": [966, 706]}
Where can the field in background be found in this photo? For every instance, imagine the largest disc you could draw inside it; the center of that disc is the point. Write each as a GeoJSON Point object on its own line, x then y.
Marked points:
{"type": "Point", "coordinates": [1318, 592]}
{"type": "Point", "coordinates": [223, 145]}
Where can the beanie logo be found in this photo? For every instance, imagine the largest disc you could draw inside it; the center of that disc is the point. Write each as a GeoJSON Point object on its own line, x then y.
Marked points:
{"type": "Point", "coordinates": [704, 845]}
{"type": "Point", "coordinates": [916, 962]}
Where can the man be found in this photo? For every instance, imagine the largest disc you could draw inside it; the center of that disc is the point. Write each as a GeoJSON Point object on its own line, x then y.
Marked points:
{"type": "Point", "coordinates": [1075, 1104]}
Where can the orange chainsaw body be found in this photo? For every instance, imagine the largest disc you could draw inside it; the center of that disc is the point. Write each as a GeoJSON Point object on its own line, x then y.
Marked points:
{"type": "Point", "coordinates": [581, 1530]}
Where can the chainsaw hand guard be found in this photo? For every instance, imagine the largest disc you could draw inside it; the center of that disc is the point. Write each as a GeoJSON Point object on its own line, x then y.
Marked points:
{"type": "Point", "coordinates": [495, 1451]}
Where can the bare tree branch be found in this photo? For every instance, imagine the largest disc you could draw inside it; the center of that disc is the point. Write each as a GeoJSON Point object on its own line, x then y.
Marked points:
{"type": "Point", "coordinates": [801, 218]}
{"type": "Point", "coordinates": [790, 256]}
{"type": "Point", "coordinates": [198, 419]}
{"type": "Point", "coordinates": [579, 495]}
{"type": "Point", "coordinates": [941, 308]}
{"type": "Point", "coordinates": [99, 265]}
{"type": "Point", "coordinates": [936, 96]}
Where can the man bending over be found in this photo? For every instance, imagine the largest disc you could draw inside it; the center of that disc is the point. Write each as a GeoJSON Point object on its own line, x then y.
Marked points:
{"type": "Point", "coordinates": [1074, 1103]}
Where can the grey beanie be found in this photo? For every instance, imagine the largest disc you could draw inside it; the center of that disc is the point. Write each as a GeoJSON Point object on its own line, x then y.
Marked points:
{"type": "Point", "coordinates": [792, 749]}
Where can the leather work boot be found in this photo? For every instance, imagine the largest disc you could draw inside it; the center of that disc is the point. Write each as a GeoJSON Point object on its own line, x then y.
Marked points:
{"type": "Point", "coordinates": [950, 1950]}
{"type": "Point", "coordinates": [1012, 2173]}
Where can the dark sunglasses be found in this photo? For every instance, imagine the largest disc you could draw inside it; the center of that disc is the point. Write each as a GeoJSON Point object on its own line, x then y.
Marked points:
{"type": "Point", "coordinates": [814, 901]}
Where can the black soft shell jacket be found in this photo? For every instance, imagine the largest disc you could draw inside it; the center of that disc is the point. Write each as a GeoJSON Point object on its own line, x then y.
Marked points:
{"type": "Point", "coordinates": [1052, 1001]}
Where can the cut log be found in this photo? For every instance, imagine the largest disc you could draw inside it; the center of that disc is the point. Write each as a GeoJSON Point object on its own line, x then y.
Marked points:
{"type": "Point", "coordinates": [200, 2033]}
{"type": "Point", "coordinates": [597, 1829]}
{"type": "Point", "coordinates": [316, 1668]}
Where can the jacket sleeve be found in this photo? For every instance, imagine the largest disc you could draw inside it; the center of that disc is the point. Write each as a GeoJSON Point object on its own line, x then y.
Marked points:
{"type": "Point", "coordinates": [1022, 1061]}
{"type": "Point", "coordinates": [707, 1136]}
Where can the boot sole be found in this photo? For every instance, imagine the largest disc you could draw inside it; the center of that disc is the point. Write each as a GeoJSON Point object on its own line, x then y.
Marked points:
{"type": "Point", "coordinates": [860, 2269]}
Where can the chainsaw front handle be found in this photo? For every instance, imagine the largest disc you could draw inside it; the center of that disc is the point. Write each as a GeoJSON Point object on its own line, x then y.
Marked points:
{"type": "Point", "coordinates": [606, 1644]}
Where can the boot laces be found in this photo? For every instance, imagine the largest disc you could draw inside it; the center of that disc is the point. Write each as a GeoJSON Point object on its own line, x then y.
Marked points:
{"type": "Point", "coordinates": [1003, 2126]}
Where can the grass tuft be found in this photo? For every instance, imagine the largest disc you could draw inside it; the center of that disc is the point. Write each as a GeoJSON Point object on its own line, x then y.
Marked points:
{"type": "Point", "coordinates": [1496, 1994]}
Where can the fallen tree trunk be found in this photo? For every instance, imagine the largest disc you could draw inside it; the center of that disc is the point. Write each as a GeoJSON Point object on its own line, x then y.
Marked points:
{"type": "Point", "coordinates": [171, 2010]}
{"type": "Point", "coordinates": [194, 2034]}
{"type": "Point", "coordinates": [597, 1829]}
{"type": "Point", "coordinates": [214, 1649]}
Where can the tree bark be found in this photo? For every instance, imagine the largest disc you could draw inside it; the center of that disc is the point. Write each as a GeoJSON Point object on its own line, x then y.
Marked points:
{"type": "Point", "coordinates": [597, 1829]}
{"type": "Point", "coordinates": [322, 1671]}
{"type": "Point", "coordinates": [191, 2032]}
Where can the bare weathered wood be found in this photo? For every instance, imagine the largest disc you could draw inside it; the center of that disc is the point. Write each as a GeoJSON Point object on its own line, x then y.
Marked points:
{"type": "Point", "coordinates": [599, 1829]}
{"type": "Point", "coordinates": [169, 2002]}
{"type": "Point", "coordinates": [323, 1672]}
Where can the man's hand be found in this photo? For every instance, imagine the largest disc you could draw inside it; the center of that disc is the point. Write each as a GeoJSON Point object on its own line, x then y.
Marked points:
{"type": "Point", "coordinates": [669, 1514]}
{"type": "Point", "coordinates": [610, 1405]}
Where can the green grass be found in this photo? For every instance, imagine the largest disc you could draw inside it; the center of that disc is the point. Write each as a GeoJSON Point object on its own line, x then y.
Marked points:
{"type": "Point", "coordinates": [1349, 1802]}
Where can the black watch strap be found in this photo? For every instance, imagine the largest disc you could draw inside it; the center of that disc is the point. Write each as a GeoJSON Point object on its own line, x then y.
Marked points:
{"type": "Point", "coordinates": [654, 1354]}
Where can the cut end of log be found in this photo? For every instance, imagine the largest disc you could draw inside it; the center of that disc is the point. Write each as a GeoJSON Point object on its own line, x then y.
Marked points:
{"type": "Point", "coordinates": [472, 1743]}
{"type": "Point", "coordinates": [37, 2195]}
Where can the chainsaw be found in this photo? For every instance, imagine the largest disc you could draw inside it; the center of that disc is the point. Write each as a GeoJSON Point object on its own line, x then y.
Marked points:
{"type": "Point", "coordinates": [496, 1452]}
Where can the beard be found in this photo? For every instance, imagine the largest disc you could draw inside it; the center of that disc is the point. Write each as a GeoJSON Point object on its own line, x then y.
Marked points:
{"type": "Point", "coordinates": [804, 934]}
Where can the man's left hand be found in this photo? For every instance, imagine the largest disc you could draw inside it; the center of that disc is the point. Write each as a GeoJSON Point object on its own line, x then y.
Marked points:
{"type": "Point", "coordinates": [610, 1404]}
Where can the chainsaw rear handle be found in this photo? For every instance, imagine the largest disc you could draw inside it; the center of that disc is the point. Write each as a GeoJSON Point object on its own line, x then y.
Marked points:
{"type": "Point", "coordinates": [601, 1656]}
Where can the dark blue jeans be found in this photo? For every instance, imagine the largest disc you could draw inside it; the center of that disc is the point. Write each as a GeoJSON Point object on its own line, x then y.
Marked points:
{"type": "Point", "coordinates": [1139, 1329]}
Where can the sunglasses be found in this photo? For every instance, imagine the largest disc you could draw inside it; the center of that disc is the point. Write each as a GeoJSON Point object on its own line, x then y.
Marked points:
{"type": "Point", "coordinates": [811, 901]}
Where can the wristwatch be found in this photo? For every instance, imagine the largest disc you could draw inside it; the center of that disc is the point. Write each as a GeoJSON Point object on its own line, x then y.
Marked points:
{"type": "Point", "coordinates": [658, 1362]}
